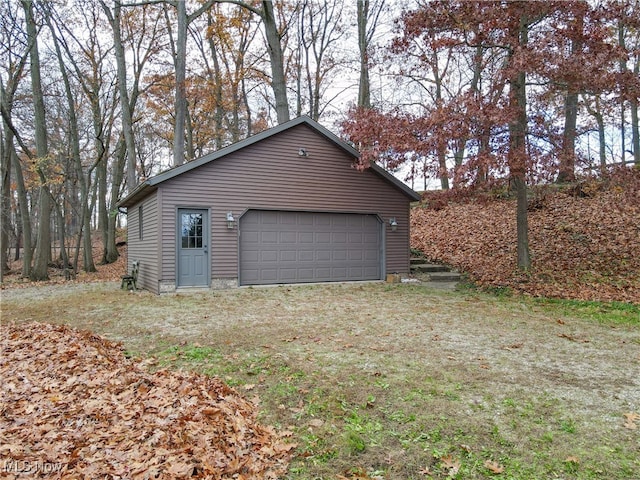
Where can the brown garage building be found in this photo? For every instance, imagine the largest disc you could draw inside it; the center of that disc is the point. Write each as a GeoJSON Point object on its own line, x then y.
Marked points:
{"type": "Point", "coordinates": [282, 206]}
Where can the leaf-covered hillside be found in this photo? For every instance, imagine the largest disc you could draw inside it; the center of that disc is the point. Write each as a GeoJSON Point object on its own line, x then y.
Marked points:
{"type": "Point", "coordinates": [584, 239]}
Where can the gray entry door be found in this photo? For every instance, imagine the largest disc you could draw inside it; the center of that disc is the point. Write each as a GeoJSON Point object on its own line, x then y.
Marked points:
{"type": "Point", "coordinates": [193, 248]}
{"type": "Point", "coordinates": [297, 247]}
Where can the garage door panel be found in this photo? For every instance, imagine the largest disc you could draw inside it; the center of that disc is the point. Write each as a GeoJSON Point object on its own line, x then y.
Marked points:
{"type": "Point", "coordinates": [251, 275]}
{"type": "Point", "coordinates": [370, 272]}
{"type": "Point", "coordinates": [269, 218]}
{"type": "Point", "coordinates": [370, 238]}
{"type": "Point", "coordinates": [252, 237]}
{"type": "Point", "coordinates": [306, 255]}
{"type": "Point", "coordinates": [339, 272]}
{"type": "Point", "coordinates": [323, 237]}
{"type": "Point", "coordinates": [355, 255]}
{"type": "Point", "coordinates": [288, 237]}
{"type": "Point", "coordinates": [288, 275]}
{"type": "Point", "coordinates": [288, 220]}
{"type": "Point", "coordinates": [304, 219]}
{"type": "Point", "coordinates": [339, 237]}
{"type": "Point", "coordinates": [306, 237]}
{"type": "Point", "coordinates": [268, 275]}
{"type": "Point", "coordinates": [269, 237]}
{"type": "Point", "coordinates": [251, 255]}
{"type": "Point", "coordinates": [323, 255]}
{"type": "Point", "coordinates": [305, 275]}
{"type": "Point", "coordinates": [355, 237]}
{"type": "Point", "coordinates": [294, 247]}
{"type": "Point", "coordinates": [268, 256]}
{"type": "Point", "coordinates": [340, 255]}
{"type": "Point", "coordinates": [288, 256]}
{"type": "Point", "coordinates": [370, 255]}
{"type": "Point", "coordinates": [339, 221]}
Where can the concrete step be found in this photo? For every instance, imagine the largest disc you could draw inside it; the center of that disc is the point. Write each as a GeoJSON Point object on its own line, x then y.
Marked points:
{"type": "Point", "coordinates": [429, 267]}
{"type": "Point", "coordinates": [444, 276]}
{"type": "Point", "coordinates": [417, 260]}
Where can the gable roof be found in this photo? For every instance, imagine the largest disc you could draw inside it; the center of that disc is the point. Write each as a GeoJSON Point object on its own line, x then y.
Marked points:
{"type": "Point", "coordinates": [150, 185]}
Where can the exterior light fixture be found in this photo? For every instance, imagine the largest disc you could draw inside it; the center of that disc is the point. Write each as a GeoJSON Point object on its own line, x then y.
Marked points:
{"type": "Point", "coordinates": [302, 152]}
{"type": "Point", "coordinates": [230, 220]}
{"type": "Point", "coordinates": [393, 224]}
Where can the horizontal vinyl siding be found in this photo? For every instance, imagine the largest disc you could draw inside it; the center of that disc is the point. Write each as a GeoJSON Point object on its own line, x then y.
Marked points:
{"type": "Point", "coordinates": [271, 175]}
{"type": "Point", "coordinates": [145, 250]}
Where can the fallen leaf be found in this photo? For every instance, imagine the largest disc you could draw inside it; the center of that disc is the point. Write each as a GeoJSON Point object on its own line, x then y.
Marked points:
{"type": "Point", "coordinates": [630, 423]}
{"type": "Point", "coordinates": [425, 471]}
{"type": "Point", "coordinates": [493, 467]}
{"type": "Point", "coordinates": [451, 464]}
{"type": "Point", "coordinates": [316, 422]}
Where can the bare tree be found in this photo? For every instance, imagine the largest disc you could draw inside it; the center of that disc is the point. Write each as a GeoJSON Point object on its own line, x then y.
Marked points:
{"type": "Point", "coordinates": [367, 16]}
{"type": "Point", "coordinates": [43, 242]}
{"type": "Point", "coordinates": [114, 18]}
{"type": "Point", "coordinates": [274, 36]}
{"type": "Point", "coordinates": [320, 28]}
{"type": "Point", "coordinates": [14, 56]}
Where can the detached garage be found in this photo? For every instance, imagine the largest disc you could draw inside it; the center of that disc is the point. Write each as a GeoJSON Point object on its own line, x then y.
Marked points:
{"type": "Point", "coordinates": [282, 206]}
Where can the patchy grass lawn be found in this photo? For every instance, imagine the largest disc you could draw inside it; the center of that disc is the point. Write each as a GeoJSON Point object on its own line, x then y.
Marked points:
{"type": "Point", "coordinates": [395, 381]}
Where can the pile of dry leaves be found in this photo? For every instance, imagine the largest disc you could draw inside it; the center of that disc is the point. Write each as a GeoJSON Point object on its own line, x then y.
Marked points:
{"type": "Point", "coordinates": [73, 406]}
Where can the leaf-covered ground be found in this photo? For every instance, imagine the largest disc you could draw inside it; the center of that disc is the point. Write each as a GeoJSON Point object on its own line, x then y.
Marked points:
{"type": "Point", "coordinates": [584, 241]}
{"type": "Point", "coordinates": [73, 406]}
{"type": "Point", "coordinates": [379, 381]}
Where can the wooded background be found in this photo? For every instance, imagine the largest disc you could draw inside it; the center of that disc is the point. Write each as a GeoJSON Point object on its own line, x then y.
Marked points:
{"type": "Point", "coordinates": [96, 96]}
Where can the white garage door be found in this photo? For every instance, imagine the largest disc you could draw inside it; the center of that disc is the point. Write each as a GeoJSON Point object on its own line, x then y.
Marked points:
{"type": "Point", "coordinates": [297, 247]}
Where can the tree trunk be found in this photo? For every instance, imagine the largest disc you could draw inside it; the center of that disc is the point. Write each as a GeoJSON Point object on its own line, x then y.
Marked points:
{"type": "Point", "coordinates": [517, 150]}
{"type": "Point", "coordinates": [61, 238]}
{"type": "Point", "coordinates": [112, 253]}
{"type": "Point", "coordinates": [567, 170]}
{"type": "Point", "coordinates": [43, 245]}
{"type": "Point", "coordinates": [276, 58]}
{"type": "Point", "coordinates": [602, 141]}
{"type": "Point", "coordinates": [103, 215]}
{"type": "Point", "coordinates": [87, 254]}
{"type": "Point", "coordinates": [18, 245]}
{"type": "Point", "coordinates": [635, 129]}
{"type": "Point", "coordinates": [623, 69]}
{"type": "Point", "coordinates": [635, 132]}
{"type": "Point", "coordinates": [5, 201]}
{"type": "Point", "coordinates": [364, 84]}
{"type": "Point", "coordinates": [23, 207]}
{"type": "Point", "coordinates": [217, 75]}
{"type": "Point", "coordinates": [125, 107]}
{"type": "Point", "coordinates": [442, 164]}
{"type": "Point", "coordinates": [597, 114]}
{"type": "Point", "coordinates": [181, 96]}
